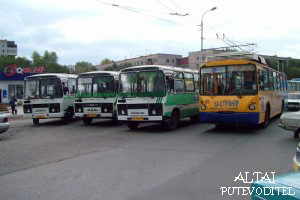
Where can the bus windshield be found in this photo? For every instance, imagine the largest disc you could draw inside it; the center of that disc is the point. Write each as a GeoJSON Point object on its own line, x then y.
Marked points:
{"type": "Point", "coordinates": [32, 90]}
{"type": "Point", "coordinates": [50, 88]}
{"type": "Point", "coordinates": [228, 80]}
{"type": "Point", "coordinates": [104, 86]}
{"type": "Point", "coordinates": [142, 84]}
{"type": "Point", "coordinates": [47, 88]}
{"type": "Point", "coordinates": [84, 87]}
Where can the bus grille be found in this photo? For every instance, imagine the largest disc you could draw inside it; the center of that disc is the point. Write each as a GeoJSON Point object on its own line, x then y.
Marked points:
{"type": "Point", "coordinates": [293, 103]}
{"type": "Point", "coordinates": [40, 105]}
{"type": "Point", "coordinates": [137, 106]}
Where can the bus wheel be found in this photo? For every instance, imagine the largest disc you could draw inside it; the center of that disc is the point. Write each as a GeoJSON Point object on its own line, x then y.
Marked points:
{"type": "Point", "coordinates": [69, 116]}
{"type": "Point", "coordinates": [87, 121]}
{"type": "Point", "coordinates": [172, 123]}
{"type": "Point", "coordinates": [296, 134]}
{"type": "Point", "coordinates": [266, 123]}
{"type": "Point", "coordinates": [36, 121]}
{"type": "Point", "coordinates": [132, 125]}
{"type": "Point", "coordinates": [194, 119]}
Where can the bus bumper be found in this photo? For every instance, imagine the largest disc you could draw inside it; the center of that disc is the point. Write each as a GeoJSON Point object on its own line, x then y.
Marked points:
{"type": "Point", "coordinates": [44, 116]}
{"type": "Point", "coordinates": [141, 118]}
{"type": "Point", "coordinates": [94, 115]}
{"type": "Point", "coordinates": [212, 117]}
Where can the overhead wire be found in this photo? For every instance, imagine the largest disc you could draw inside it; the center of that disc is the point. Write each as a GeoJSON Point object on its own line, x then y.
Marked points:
{"type": "Point", "coordinates": [186, 17]}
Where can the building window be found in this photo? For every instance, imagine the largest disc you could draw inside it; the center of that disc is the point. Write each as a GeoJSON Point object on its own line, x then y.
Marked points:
{"type": "Point", "coordinates": [168, 60]}
{"type": "Point", "coordinates": [11, 90]}
{"type": "Point", "coordinates": [20, 89]}
{"type": "Point", "coordinates": [197, 58]}
{"type": "Point", "coordinates": [173, 61]}
{"type": "Point", "coordinates": [142, 63]}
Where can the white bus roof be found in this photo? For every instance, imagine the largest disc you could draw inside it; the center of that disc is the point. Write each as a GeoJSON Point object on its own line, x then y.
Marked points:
{"type": "Point", "coordinates": [236, 56]}
{"type": "Point", "coordinates": [112, 73]}
{"type": "Point", "coordinates": [62, 75]}
{"type": "Point", "coordinates": [160, 67]}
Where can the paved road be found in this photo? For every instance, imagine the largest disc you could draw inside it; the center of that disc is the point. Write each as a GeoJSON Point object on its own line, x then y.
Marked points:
{"type": "Point", "coordinates": [109, 162]}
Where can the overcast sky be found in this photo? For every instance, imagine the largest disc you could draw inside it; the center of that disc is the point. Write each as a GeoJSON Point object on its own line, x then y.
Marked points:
{"type": "Point", "coordinates": [91, 30]}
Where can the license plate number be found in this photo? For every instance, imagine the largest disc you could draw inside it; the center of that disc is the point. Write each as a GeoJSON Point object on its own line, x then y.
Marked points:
{"type": "Point", "coordinates": [91, 115]}
{"type": "Point", "coordinates": [40, 116]}
{"type": "Point", "coordinates": [137, 118]}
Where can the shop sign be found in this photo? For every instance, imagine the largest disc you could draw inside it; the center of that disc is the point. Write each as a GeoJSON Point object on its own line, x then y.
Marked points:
{"type": "Point", "coordinates": [14, 69]}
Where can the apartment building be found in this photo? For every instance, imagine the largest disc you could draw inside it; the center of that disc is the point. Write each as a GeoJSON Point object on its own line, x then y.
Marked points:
{"type": "Point", "coordinates": [8, 48]}
{"type": "Point", "coordinates": [153, 59]}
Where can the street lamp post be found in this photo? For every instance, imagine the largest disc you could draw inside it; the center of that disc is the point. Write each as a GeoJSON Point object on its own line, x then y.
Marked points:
{"type": "Point", "coordinates": [201, 55]}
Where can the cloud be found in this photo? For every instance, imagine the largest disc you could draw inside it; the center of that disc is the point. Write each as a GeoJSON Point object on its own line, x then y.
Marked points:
{"type": "Point", "coordinates": [92, 30]}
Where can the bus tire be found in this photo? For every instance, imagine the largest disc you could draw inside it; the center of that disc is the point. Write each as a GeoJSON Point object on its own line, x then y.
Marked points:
{"type": "Point", "coordinates": [87, 121]}
{"type": "Point", "coordinates": [172, 123]}
{"type": "Point", "coordinates": [115, 117]}
{"type": "Point", "coordinates": [296, 134]}
{"type": "Point", "coordinates": [69, 116]}
{"type": "Point", "coordinates": [132, 125]}
{"type": "Point", "coordinates": [36, 121]}
{"type": "Point", "coordinates": [194, 119]}
{"type": "Point", "coordinates": [266, 122]}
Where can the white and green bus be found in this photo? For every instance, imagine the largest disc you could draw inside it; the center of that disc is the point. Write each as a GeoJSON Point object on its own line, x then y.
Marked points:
{"type": "Point", "coordinates": [96, 95]}
{"type": "Point", "coordinates": [161, 94]}
{"type": "Point", "coordinates": [49, 96]}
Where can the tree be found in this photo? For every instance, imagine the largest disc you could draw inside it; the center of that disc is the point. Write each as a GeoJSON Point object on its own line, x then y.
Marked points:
{"type": "Point", "coordinates": [9, 60]}
{"type": "Point", "coordinates": [49, 61]}
{"type": "Point", "coordinates": [81, 67]}
{"type": "Point", "coordinates": [106, 61]}
{"type": "Point", "coordinates": [116, 67]}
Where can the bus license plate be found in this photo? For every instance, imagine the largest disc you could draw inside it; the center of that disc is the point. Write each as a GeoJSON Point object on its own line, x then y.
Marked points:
{"type": "Point", "coordinates": [91, 115]}
{"type": "Point", "coordinates": [137, 118]}
{"type": "Point", "coordinates": [40, 116]}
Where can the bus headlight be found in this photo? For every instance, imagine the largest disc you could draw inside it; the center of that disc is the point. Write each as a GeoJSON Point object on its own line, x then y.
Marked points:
{"type": "Point", "coordinates": [251, 106]}
{"type": "Point", "coordinates": [53, 109]}
{"type": "Point", "coordinates": [105, 109]}
{"type": "Point", "coordinates": [123, 112]}
{"type": "Point", "coordinates": [203, 106]}
{"type": "Point", "coordinates": [79, 110]}
{"type": "Point", "coordinates": [154, 112]}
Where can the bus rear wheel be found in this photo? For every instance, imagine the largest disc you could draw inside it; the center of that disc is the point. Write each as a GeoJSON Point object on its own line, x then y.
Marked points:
{"type": "Point", "coordinates": [172, 123]}
{"type": "Point", "coordinates": [36, 121]}
{"type": "Point", "coordinates": [133, 125]}
{"type": "Point", "coordinates": [87, 121]}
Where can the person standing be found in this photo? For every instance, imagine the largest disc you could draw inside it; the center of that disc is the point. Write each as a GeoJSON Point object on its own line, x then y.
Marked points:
{"type": "Point", "coordinates": [13, 104]}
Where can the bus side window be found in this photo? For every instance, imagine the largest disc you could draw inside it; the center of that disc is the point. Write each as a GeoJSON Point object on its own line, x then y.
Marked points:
{"type": "Point", "coordinates": [179, 86]}
{"type": "Point", "coordinates": [65, 88]}
{"type": "Point", "coordinates": [261, 80]}
{"type": "Point", "coordinates": [71, 86]}
{"type": "Point", "coordinates": [266, 79]}
{"type": "Point", "coordinates": [170, 84]}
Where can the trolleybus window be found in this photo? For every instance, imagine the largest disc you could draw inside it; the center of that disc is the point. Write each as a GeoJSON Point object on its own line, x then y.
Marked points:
{"type": "Point", "coordinates": [229, 80]}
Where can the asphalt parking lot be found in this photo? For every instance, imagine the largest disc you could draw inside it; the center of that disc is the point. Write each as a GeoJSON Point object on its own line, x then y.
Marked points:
{"type": "Point", "coordinates": [106, 160]}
